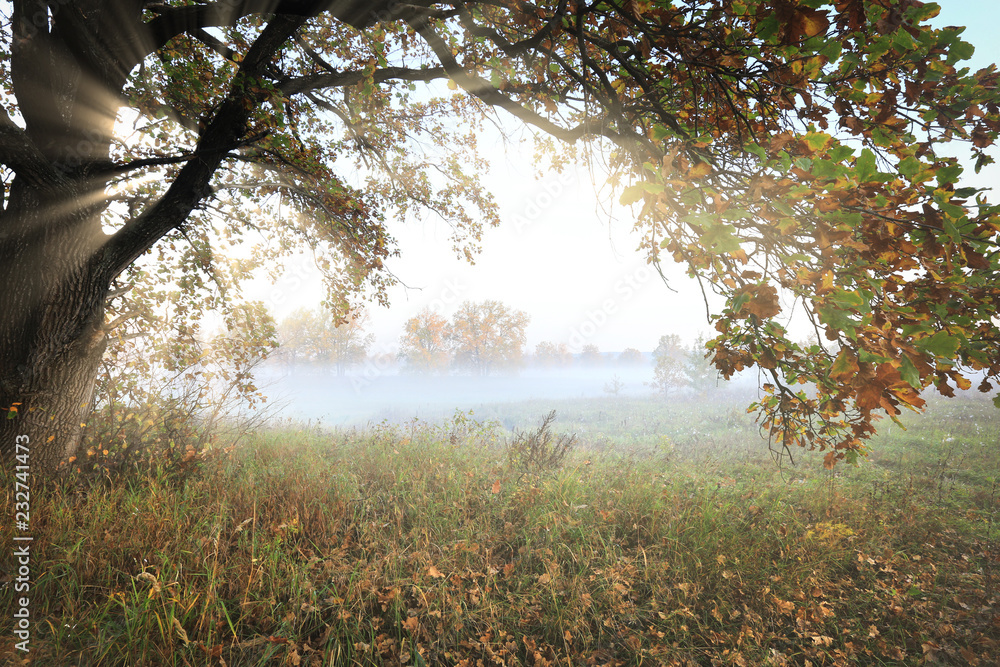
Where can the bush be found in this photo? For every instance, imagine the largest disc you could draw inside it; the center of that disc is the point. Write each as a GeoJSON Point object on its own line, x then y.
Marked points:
{"type": "Point", "coordinates": [538, 451]}
{"type": "Point", "coordinates": [163, 401]}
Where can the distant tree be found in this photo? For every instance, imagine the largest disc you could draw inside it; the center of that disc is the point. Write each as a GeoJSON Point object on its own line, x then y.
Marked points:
{"type": "Point", "coordinates": [424, 344]}
{"type": "Point", "coordinates": [591, 356]}
{"type": "Point", "coordinates": [298, 339]}
{"type": "Point", "coordinates": [631, 357]}
{"type": "Point", "coordinates": [314, 336]}
{"type": "Point", "coordinates": [702, 375]}
{"type": "Point", "coordinates": [550, 354]}
{"type": "Point", "coordinates": [347, 343]}
{"type": "Point", "coordinates": [487, 336]}
{"type": "Point", "coordinates": [614, 385]}
{"type": "Point", "coordinates": [669, 364]}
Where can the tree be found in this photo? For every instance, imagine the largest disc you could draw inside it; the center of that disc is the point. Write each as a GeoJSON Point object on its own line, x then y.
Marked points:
{"type": "Point", "coordinates": [669, 365]}
{"type": "Point", "coordinates": [552, 355]}
{"type": "Point", "coordinates": [487, 336]}
{"type": "Point", "coordinates": [347, 342]}
{"type": "Point", "coordinates": [614, 385]}
{"type": "Point", "coordinates": [702, 375]}
{"type": "Point", "coordinates": [631, 357]}
{"type": "Point", "coordinates": [298, 338]}
{"type": "Point", "coordinates": [241, 116]}
{"type": "Point", "coordinates": [591, 356]}
{"type": "Point", "coordinates": [424, 345]}
{"type": "Point", "coordinates": [315, 336]}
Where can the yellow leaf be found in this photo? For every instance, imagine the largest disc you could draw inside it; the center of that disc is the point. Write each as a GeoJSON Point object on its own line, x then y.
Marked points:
{"type": "Point", "coordinates": [452, 85]}
{"type": "Point", "coordinates": [700, 170]}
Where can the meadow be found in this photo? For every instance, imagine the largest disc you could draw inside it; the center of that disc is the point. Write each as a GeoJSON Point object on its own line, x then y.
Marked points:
{"type": "Point", "coordinates": [663, 533]}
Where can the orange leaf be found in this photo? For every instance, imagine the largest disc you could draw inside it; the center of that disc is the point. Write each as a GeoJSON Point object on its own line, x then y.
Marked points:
{"type": "Point", "coordinates": [434, 572]}
{"type": "Point", "coordinates": [496, 486]}
{"type": "Point", "coordinates": [845, 366]}
{"type": "Point", "coordinates": [700, 170]}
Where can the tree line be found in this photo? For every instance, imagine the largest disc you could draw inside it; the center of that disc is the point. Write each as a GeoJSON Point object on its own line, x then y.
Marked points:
{"type": "Point", "coordinates": [482, 338]}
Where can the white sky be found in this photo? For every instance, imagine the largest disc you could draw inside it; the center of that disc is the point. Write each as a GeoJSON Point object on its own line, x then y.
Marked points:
{"type": "Point", "coordinates": [557, 256]}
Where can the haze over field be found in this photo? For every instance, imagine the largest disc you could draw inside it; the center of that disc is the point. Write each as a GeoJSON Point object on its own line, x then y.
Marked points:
{"type": "Point", "coordinates": [373, 393]}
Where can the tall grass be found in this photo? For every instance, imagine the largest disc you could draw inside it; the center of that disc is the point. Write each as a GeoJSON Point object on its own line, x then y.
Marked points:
{"type": "Point", "coordinates": [418, 543]}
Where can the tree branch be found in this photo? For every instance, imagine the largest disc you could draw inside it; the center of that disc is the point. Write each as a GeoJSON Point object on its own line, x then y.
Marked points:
{"type": "Point", "coordinates": [226, 131]}
{"type": "Point", "coordinates": [173, 21]}
{"type": "Point", "coordinates": [482, 89]}
{"type": "Point", "coordinates": [20, 153]}
{"type": "Point", "coordinates": [337, 79]}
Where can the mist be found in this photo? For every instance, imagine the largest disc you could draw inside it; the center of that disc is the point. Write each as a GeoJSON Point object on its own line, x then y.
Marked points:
{"type": "Point", "coordinates": [314, 393]}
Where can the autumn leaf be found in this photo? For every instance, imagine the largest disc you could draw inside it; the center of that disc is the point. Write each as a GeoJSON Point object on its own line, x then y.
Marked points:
{"type": "Point", "coordinates": [845, 366]}
{"type": "Point", "coordinates": [434, 572]}
{"type": "Point", "coordinates": [496, 486]}
{"type": "Point", "coordinates": [700, 170]}
{"type": "Point", "coordinates": [758, 300]}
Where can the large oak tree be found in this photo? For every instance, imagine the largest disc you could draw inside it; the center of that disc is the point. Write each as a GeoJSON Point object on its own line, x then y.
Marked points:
{"type": "Point", "coordinates": [784, 150]}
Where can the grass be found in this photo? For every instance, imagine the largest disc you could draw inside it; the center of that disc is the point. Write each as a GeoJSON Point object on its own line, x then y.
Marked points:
{"type": "Point", "coordinates": [667, 536]}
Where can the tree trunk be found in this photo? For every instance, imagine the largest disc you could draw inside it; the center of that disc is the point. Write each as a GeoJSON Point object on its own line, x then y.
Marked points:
{"type": "Point", "coordinates": [52, 326]}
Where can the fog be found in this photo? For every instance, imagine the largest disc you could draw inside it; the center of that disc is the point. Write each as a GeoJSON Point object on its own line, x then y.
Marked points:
{"type": "Point", "coordinates": [311, 393]}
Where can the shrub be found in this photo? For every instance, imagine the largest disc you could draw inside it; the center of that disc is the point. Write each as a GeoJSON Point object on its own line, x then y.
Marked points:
{"type": "Point", "coordinates": [538, 451]}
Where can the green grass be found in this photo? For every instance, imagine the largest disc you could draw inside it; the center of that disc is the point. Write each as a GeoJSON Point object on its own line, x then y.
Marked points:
{"type": "Point", "coordinates": [668, 536]}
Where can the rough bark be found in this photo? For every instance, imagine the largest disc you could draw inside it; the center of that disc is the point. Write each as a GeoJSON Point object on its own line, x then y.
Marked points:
{"type": "Point", "coordinates": [51, 334]}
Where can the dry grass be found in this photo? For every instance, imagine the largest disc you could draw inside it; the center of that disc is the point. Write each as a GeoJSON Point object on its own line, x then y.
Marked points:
{"type": "Point", "coordinates": [419, 544]}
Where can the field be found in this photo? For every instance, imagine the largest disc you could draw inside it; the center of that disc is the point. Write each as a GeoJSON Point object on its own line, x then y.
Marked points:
{"type": "Point", "coordinates": [664, 534]}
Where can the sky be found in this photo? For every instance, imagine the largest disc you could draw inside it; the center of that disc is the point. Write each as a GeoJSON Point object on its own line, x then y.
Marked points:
{"type": "Point", "coordinates": [569, 262]}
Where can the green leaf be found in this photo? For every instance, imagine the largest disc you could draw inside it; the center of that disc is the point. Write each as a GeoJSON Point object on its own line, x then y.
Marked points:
{"type": "Point", "coordinates": [948, 174]}
{"type": "Point", "coordinates": [960, 51]}
{"type": "Point", "coordinates": [909, 372]}
{"type": "Point", "coordinates": [942, 345]}
{"type": "Point", "coordinates": [817, 141]}
{"type": "Point", "coordinates": [632, 194]}
{"type": "Point", "coordinates": [865, 167]}
{"type": "Point", "coordinates": [720, 238]}
{"type": "Point", "coordinates": [952, 231]}
{"type": "Point", "coordinates": [910, 167]}
{"type": "Point", "coordinates": [840, 153]}
{"type": "Point", "coordinates": [839, 320]}
{"type": "Point", "coordinates": [832, 50]}
{"type": "Point", "coordinates": [756, 150]}
{"type": "Point", "coordinates": [824, 169]}
{"type": "Point", "coordinates": [902, 41]}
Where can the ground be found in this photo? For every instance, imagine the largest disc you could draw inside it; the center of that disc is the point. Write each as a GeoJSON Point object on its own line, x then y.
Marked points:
{"type": "Point", "coordinates": [666, 535]}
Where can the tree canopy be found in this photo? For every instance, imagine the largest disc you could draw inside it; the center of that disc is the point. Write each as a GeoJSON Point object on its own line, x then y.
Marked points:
{"type": "Point", "coordinates": [487, 336]}
{"type": "Point", "coordinates": [786, 151]}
